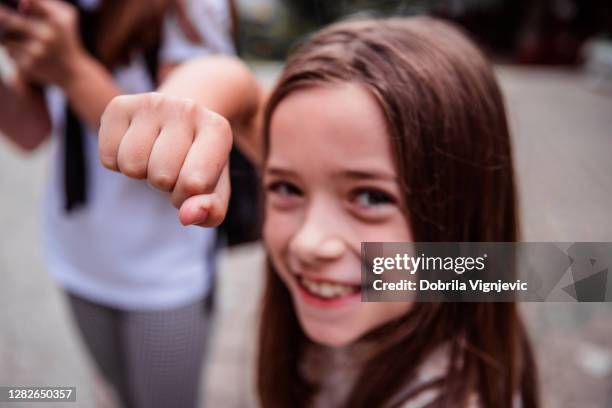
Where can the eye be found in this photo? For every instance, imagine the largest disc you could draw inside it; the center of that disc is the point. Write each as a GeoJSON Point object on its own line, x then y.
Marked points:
{"type": "Point", "coordinates": [284, 189]}
{"type": "Point", "coordinates": [283, 195]}
{"type": "Point", "coordinates": [372, 198]}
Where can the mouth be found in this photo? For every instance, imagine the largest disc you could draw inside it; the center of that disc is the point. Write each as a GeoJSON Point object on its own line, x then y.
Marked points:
{"type": "Point", "coordinates": [326, 291]}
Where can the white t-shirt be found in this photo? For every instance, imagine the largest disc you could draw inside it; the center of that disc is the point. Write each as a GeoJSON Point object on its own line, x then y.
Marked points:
{"type": "Point", "coordinates": [126, 247]}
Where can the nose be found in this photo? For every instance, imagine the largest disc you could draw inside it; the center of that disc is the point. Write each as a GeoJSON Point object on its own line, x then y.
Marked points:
{"type": "Point", "coordinates": [319, 238]}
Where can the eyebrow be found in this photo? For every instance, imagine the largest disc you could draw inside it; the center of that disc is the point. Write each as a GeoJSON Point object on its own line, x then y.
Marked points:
{"type": "Point", "coordinates": [347, 174]}
{"type": "Point", "coordinates": [367, 175]}
{"type": "Point", "coordinates": [279, 171]}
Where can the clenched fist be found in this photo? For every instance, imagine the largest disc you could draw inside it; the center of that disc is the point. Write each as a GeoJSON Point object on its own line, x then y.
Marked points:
{"type": "Point", "coordinates": [177, 146]}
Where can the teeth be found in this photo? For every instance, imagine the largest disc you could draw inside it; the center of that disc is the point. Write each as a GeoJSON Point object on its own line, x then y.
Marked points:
{"type": "Point", "coordinates": [326, 290]}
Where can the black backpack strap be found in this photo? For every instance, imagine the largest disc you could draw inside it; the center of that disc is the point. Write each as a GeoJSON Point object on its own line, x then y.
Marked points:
{"type": "Point", "coordinates": [75, 167]}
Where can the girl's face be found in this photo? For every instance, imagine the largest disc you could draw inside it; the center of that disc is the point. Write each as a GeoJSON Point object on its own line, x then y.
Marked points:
{"type": "Point", "coordinates": [331, 184]}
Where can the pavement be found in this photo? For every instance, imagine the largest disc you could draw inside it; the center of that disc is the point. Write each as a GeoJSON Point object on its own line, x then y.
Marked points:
{"type": "Point", "coordinates": [562, 130]}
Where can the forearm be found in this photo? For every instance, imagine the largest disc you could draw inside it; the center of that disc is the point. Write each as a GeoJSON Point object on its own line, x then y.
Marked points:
{"type": "Point", "coordinates": [89, 88]}
{"type": "Point", "coordinates": [24, 118]}
{"type": "Point", "coordinates": [226, 86]}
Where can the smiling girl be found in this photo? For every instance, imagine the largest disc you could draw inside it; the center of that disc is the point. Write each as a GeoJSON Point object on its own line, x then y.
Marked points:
{"type": "Point", "coordinates": [381, 130]}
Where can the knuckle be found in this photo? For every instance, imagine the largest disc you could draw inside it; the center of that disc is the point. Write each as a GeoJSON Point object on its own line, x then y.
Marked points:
{"type": "Point", "coordinates": [176, 200]}
{"type": "Point", "coordinates": [222, 128]}
{"type": "Point", "coordinates": [109, 114]}
{"type": "Point", "coordinates": [68, 16]}
{"type": "Point", "coordinates": [116, 104]}
{"type": "Point", "coordinates": [108, 161]}
{"type": "Point", "coordinates": [219, 122]}
{"type": "Point", "coordinates": [37, 53]}
{"type": "Point", "coordinates": [219, 213]}
{"type": "Point", "coordinates": [62, 19]}
{"type": "Point", "coordinates": [120, 106]}
{"type": "Point", "coordinates": [132, 169]}
{"type": "Point", "coordinates": [104, 120]}
{"type": "Point", "coordinates": [47, 36]}
{"type": "Point", "coordinates": [154, 101]}
{"type": "Point", "coordinates": [162, 181]}
{"type": "Point", "coordinates": [182, 109]}
{"type": "Point", "coordinates": [194, 185]}
{"type": "Point", "coordinates": [190, 108]}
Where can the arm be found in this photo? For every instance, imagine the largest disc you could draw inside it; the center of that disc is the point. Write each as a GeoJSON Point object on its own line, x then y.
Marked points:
{"type": "Point", "coordinates": [43, 41]}
{"type": "Point", "coordinates": [89, 88]}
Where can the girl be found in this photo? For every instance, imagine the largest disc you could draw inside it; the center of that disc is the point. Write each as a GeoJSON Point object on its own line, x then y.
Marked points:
{"type": "Point", "coordinates": [382, 130]}
{"type": "Point", "coordinates": [137, 283]}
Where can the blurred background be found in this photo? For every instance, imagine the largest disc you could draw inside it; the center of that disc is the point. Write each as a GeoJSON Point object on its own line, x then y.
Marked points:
{"type": "Point", "coordinates": [554, 62]}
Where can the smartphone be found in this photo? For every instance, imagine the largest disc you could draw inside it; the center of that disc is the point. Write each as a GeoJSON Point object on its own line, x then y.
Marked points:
{"type": "Point", "coordinates": [12, 4]}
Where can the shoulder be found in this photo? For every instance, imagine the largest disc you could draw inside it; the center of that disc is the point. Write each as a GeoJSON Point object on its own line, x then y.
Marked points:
{"type": "Point", "coordinates": [426, 386]}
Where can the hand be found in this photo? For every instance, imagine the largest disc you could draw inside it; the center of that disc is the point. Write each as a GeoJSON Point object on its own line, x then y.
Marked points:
{"type": "Point", "coordinates": [177, 146]}
{"type": "Point", "coordinates": [43, 40]}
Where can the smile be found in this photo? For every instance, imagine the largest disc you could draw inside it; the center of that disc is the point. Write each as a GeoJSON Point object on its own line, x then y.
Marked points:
{"type": "Point", "coordinates": [327, 290]}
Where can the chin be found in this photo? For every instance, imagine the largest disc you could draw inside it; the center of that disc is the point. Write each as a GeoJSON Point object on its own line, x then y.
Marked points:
{"type": "Point", "coordinates": [327, 335]}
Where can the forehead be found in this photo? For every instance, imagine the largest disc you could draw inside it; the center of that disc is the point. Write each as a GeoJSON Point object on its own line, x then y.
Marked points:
{"type": "Point", "coordinates": [330, 125]}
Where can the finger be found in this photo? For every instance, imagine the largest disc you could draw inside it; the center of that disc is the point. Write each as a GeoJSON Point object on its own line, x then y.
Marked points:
{"type": "Point", "coordinates": [10, 20]}
{"type": "Point", "coordinates": [14, 23]}
{"type": "Point", "coordinates": [26, 46]}
{"type": "Point", "coordinates": [168, 155]}
{"type": "Point", "coordinates": [207, 210]}
{"type": "Point", "coordinates": [182, 16]}
{"type": "Point", "coordinates": [114, 124]}
{"type": "Point", "coordinates": [13, 44]}
{"type": "Point", "coordinates": [22, 59]}
{"type": "Point", "coordinates": [47, 9]}
{"type": "Point", "coordinates": [51, 15]}
{"type": "Point", "coordinates": [136, 146]}
{"type": "Point", "coordinates": [205, 161]}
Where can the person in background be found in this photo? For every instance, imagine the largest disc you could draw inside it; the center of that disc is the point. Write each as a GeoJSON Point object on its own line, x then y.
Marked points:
{"type": "Point", "coordinates": [138, 284]}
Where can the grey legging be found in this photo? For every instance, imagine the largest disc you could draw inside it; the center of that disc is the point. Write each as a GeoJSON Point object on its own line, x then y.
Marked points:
{"type": "Point", "coordinates": [153, 359]}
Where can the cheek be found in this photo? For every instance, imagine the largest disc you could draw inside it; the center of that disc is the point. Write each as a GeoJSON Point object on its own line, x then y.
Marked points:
{"type": "Point", "coordinates": [278, 229]}
{"type": "Point", "coordinates": [395, 229]}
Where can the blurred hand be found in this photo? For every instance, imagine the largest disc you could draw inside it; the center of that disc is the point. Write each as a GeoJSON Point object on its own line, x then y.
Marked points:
{"type": "Point", "coordinates": [43, 40]}
{"type": "Point", "coordinates": [177, 146]}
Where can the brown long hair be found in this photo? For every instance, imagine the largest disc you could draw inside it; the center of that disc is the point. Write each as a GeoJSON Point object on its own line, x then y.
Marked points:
{"type": "Point", "coordinates": [447, 125]}
{"type": "Point", "coordinates": [126, 26]}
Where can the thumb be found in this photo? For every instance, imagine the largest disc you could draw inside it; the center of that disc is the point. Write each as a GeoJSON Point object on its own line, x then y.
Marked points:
{"type": "Point", "coordinates": [207, 210]}
{"type": "Point", "coordinates": [203, 210]}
